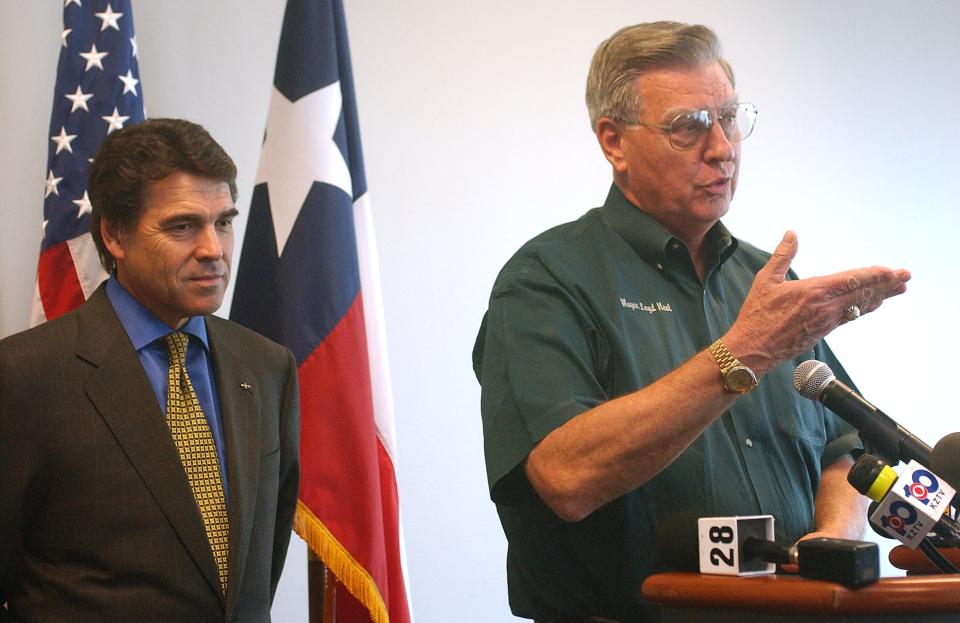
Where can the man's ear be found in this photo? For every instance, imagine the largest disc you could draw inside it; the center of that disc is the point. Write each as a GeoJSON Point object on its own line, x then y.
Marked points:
{"type": "Point", "coordinates": [610, 135]}
{"type": "Point", "coordinates": [111, 233]}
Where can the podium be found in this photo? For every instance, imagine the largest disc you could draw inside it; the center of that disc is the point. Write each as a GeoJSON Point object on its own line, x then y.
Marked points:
{"type": "Point", "coordinates": [696, 598]}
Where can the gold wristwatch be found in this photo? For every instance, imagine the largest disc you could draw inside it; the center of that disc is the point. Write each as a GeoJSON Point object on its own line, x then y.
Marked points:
{"type": "Point", "coordinates": [737, 378]}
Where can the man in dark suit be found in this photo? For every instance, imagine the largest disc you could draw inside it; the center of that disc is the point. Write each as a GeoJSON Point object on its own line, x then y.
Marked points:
{"type": "Point", "coordinates": [136, 486]}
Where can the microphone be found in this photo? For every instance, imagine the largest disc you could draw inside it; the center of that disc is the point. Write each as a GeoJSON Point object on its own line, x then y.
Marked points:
{"type": "Point", "coordinates": [885, 438]}
{"type": "Point", "coordinates": [944, 459]}
{"type": "Point", "coordinates": [745, 546]}
{"type": "Point", "coordinates": [908, 506]}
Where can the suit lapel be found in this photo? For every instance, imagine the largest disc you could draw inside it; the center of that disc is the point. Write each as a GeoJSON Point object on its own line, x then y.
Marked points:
{"type": "Point", "coordinates": [121, 393]}
{"type": "Point", "coordinates": [238, 390]}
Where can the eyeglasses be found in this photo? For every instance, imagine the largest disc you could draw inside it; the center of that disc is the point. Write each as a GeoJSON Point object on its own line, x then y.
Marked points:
{"type": "Point", "coordinates": [689, 130]}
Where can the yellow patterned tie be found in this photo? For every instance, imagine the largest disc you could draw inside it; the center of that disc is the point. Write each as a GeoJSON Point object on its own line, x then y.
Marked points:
{"type": "Point", "coordinates": [194, 441]}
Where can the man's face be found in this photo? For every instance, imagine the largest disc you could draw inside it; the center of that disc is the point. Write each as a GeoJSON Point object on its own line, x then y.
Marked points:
{"type": "Point", "coordinates": [687, 191]}
{"type": "Point", "coordinates": [176, 259]}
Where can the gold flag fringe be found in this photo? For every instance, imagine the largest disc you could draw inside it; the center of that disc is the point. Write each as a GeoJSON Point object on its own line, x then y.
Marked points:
{"type": "Point", "coordinates": [347, 570]}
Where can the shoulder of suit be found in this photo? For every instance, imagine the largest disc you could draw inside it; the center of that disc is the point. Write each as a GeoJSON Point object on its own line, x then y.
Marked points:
{"type": "Point", "coordinates": [61, 330]}
{"type": "Point", "coordinates": [221, 328]}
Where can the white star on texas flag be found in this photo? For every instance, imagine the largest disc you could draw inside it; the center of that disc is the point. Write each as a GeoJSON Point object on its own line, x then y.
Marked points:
{"type": "Point", "coordinates": [299, 150]}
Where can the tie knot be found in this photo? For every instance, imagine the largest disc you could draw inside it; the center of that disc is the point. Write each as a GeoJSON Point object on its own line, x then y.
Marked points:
{"type": "Point", "coordinates": [177, 346]}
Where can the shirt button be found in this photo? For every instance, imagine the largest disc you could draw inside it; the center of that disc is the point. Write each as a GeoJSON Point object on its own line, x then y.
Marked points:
{"type": "Point", "coordinates": [674, 245]}
{"type": "Point", "coordinates": [749, 442]}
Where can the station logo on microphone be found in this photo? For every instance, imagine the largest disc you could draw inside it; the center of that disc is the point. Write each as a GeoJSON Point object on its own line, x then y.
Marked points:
{"type": "Point", "coordinates": [915, 504]}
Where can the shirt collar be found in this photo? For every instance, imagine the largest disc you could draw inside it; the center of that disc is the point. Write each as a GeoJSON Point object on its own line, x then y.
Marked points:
{"type": "Point", "coordinates": [141, 325]}
{"type": "Point", "coordinates": [650, 239]}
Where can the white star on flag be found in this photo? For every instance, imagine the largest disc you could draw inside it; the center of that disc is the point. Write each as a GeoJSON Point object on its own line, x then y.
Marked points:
{"type": "Point", "coordinates": [129, 83]}
{"type": "Point", "coordinates": [94, 58]}
{"type": "Point", "coordinates": [116, 120]}
{"type": "Point", "coordinates": [67, 3]}
{"type": "Point", "coordinates": [63, 36]}
{"type": "Point", "coordinates": [109, 19]}
{"type": "Point", "coordinates": [79, 100]}
{"type": "Point", "coordinates": [133, 46]}
{"type": "Point", "coordinates": [299, 150]}
{"type": "Point", "coordinates": [52, 185]}
{"type": "Point", "coordinates": [84, 204]}
{"type": "Point", "coordinates": [63, 140]}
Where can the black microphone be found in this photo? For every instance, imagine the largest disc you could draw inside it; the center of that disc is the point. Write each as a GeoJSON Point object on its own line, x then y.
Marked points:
{"type": "Point", "coordinates": [878, 431]}
{"type": "Point", "coordinates": [875, 479]}
{"type": "Point", "coordinates": [853, 563]}
{"type": "Point", "coordinates": [946, 459]}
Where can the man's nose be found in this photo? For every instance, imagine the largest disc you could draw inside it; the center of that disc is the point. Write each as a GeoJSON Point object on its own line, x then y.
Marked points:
{"type": "Point", "coordinates": [718, 146]}
{"type": "Point", "coordinates": [209, 246]}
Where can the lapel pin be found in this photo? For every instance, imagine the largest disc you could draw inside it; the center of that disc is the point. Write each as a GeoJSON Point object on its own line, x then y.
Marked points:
{"type": "Point", "coordinates": [245, 386]}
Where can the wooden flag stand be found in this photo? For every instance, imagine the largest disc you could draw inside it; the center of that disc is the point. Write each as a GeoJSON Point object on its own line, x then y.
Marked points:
{"type": "Point", "coordinates": [321, 591]}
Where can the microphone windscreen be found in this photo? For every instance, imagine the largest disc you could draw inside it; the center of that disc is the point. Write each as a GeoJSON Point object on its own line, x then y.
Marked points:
{"type": "Point", "coordinates": [865, 472]}
{"type": "Point", "coordinates": [945, 459]}
{"type": "Point", "coordinates": [810, 377]}
{"type": "Point", "coordinates": [678, 541]}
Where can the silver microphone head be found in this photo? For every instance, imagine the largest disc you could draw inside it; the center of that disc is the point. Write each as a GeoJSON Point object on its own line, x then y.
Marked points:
{"type": "Point", "coordinates": [811, 377]}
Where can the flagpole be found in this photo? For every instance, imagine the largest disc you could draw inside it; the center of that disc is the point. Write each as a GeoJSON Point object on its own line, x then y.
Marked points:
{"type": "Point", "coordinates": [322, 607]}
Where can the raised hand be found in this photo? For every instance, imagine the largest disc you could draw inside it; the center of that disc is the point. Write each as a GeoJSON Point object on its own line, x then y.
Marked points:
{"type": "Point", "coordinates": [781, 318]}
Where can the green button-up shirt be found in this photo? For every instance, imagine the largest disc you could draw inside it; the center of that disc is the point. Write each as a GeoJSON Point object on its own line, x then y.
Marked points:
{"type": "Point", "coordinates": [601, 307]}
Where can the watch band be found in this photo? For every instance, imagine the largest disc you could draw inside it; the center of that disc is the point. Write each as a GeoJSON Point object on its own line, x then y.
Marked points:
{"type": "Point", "coordinates": [723, 357]}
{"type": "Point", "coordinates": [737, 378]}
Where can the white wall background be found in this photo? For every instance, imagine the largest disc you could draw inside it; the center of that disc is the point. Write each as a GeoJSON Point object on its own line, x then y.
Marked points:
{"type": "Point", "coordinates": [476, 139]}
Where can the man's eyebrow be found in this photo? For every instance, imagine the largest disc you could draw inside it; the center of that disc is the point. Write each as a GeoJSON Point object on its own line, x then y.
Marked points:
{"type": "Point", "coordinates": [672, 113]}
{"type": "Point", "coordinates": [193, 217]}
{"type": "Point", "coordinates": [181, 217]}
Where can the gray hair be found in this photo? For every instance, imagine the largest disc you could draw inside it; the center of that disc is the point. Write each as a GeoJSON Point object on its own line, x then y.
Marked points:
{"type": "Point", "coordinates": [637, 49]}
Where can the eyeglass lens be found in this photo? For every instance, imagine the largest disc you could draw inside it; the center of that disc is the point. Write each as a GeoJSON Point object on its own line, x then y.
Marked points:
{"type": "Point", "coordinates": [689, 129]}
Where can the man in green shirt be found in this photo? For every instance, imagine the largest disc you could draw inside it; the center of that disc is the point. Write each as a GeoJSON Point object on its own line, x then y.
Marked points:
{"type": "Point", "coordinates": [638, 361]}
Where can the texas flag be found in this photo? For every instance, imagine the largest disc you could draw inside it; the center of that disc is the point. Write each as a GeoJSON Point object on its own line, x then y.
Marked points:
{"type": "Point", "coordinates": [308, 279]}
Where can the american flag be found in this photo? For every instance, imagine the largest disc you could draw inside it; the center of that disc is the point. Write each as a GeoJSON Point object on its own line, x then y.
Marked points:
{"type": "Point", "coordinates": [98, 91]}
{"type": "Point", "coordinates": [308, 279]}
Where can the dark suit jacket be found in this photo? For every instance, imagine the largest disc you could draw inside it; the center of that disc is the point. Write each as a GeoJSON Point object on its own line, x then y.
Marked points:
{"type": "Point", "coordinates": [97, 521]}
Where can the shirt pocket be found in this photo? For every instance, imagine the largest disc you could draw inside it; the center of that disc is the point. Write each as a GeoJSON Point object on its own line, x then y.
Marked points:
{"type": "Point", "coordinates": [796, 416]}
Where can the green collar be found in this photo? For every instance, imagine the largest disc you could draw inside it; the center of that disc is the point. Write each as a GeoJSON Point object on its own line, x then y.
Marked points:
{"type": "Point", "coordinates": [651, 240]}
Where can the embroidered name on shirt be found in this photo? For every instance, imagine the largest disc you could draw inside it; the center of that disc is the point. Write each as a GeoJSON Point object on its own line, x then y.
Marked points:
{"type": "Point", "coordinates": [649, 308]}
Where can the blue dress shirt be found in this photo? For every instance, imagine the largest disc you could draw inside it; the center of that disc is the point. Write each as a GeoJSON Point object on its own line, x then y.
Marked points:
{"type": "Point", "coordinates": [146, 332]}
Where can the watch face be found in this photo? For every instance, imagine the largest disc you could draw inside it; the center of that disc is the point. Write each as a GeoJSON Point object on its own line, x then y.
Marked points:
{"type": "Point", "coordinates": [740, 379]}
